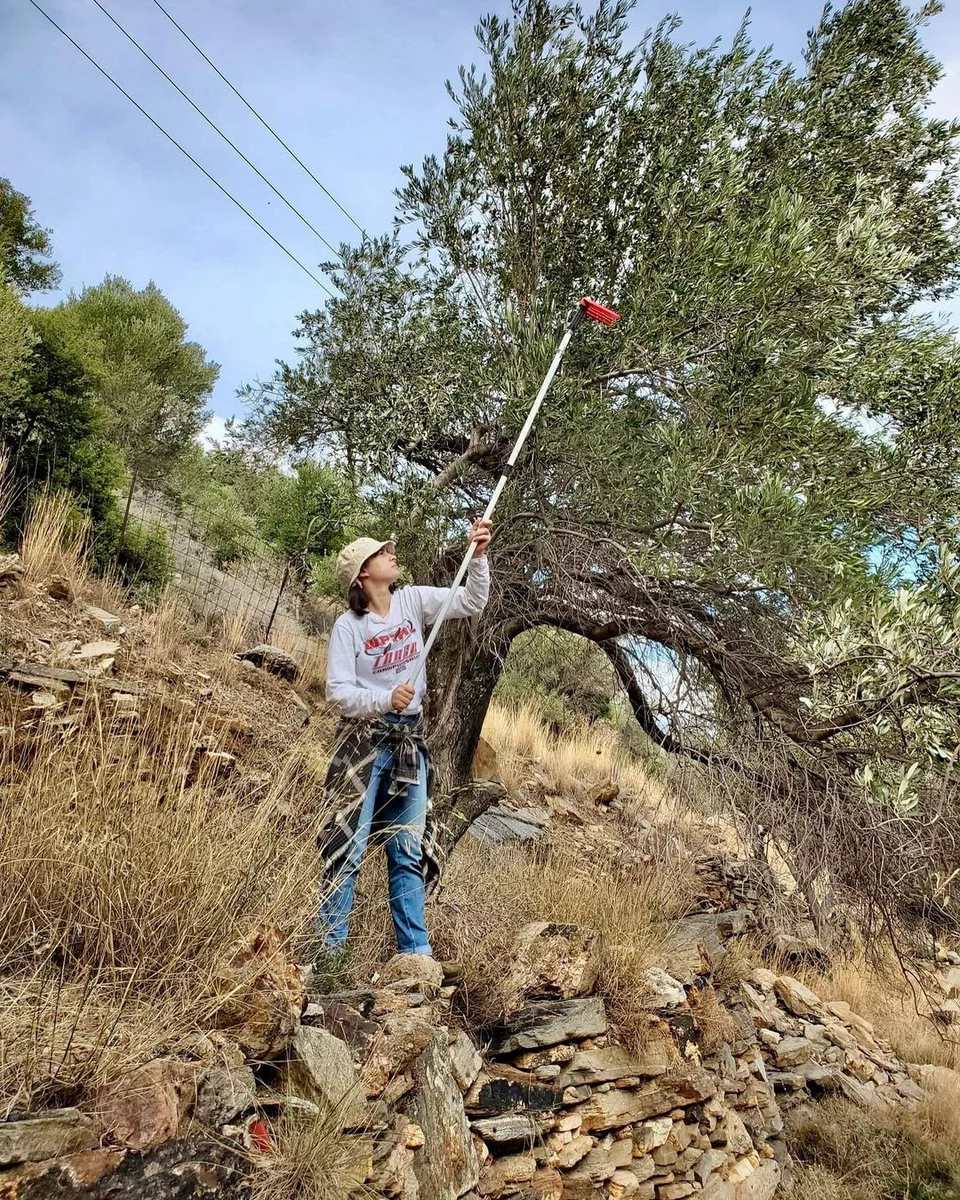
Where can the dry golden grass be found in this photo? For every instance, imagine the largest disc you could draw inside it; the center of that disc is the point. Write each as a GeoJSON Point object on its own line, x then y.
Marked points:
{"type": "Point", "coordinates": [65, 1030]}
{"type": "Point", "coordinates": [310, 653]}
{"type": "Point", "coordinates": [489, 894]}
{"type": "Point", "coordinates": [715, 1023]}
{"type": "Point", "coordinates": [845, 1153]}
{"type": "Point", "coordinates": [573, 760]}
{"type": "Point", "coordinates": [54, 540]}
{"type": "Point", "coordinates": [312, 1159]}
{"type": "Point", "coordinates": [937, 1118]}
{"type": "Point", "coordinates": [118, 895]}
{"type": "Point", "coordinates": [161, 630]}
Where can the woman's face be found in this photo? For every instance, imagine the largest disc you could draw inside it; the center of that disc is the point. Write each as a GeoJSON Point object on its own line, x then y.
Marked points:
{"type": "Point", "coordinates": [382, 567]}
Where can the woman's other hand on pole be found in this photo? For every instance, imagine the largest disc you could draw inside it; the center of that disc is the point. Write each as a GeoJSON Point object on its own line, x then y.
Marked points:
{"type": "Point", "coordinates": [402, 695]}
{"type": "Point", "coordinates": [480, 533]}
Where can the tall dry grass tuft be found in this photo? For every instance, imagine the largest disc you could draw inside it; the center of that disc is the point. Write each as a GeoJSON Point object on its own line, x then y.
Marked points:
{"type": "Point", "coordinates": [119, 900]}
{"type": "Point", "coordinates": [574, 760]}
{"type": "Point", "coordinates": [489, 894]}
{"type": "Point", "coordinates": [55, 539]}
{"type": "Point", "coordinates": [310, 653]}
{"type": "Point", "coordinates": [312, 1159]}
{"type": "Point", "coordinates": [845, 1153]}
{"type": "Point", "coordinates": [9, 488]}
{"type": "Point", "coordinates": [234, 634]}
{"type": "Point", "coordinates": [161, 632]}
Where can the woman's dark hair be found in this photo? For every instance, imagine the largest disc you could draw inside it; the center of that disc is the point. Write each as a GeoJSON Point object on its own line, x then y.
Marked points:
{"type": "Point", "coordinates": [359, 601]}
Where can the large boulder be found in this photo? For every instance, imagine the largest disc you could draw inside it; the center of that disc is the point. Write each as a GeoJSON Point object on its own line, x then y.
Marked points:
{"type": "Point", "coordinates": [797, 997]}
{"type": "Point", "coordinates": [609, 1063]}
{"type": "Point", "coordinates": [182, 1169]}
{"type": "Point", "coordinates": [144, 1108]}
{"type": "Point", "coordinates": [551, 960]}
{"type": "Point", "coordinates": [405, 1035]}
{"type": "Point", "coordinates": [465, 1060]}
{"type": "Point", "coordinates": [502, 1089]}
{"type": "Point", "coordinates": [274, 659]}
{"type": "Point", "coordinates": [223, 1093]}
{"type": "Point", "coordinates": [762, 1184]}
{"type": "Point", "coordinates": [497, 826]}
{"type": "Point", "coordinates": [508, 1130]}
{"type": "Point", "coordinates": [322, 1070]}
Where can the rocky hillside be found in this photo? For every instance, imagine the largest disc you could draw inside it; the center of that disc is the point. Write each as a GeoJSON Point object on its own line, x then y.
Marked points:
{"type": "Point", "coordinates": [629, 1019]}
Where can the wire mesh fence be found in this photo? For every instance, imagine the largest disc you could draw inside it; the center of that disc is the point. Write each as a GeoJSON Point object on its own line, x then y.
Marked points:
{"type": "Point", "coordinates": [205, 556]}
{"type": "Point", "coordinates": [220, 566]}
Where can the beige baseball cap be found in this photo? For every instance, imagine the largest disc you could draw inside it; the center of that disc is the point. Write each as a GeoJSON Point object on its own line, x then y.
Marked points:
{"type": "Point", "coordinates": [351, 558]}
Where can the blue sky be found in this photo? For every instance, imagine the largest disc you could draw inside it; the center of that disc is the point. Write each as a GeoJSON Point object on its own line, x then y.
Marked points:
{"type": "Point", "coordinates": [357, 90]}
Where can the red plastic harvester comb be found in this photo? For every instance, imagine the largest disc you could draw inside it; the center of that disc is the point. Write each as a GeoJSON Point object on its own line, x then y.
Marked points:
{"type": "Point", "coordinates": [597, 312]}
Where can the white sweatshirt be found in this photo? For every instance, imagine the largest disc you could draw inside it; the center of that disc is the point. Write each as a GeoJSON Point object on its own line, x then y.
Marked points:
{"type": "Point", "coordinates": [370, 656]}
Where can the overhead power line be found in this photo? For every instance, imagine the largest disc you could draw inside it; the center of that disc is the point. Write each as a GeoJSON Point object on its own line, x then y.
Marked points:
{"type": "Point", "coordinates": [240, 96]}
{"type": "Point", "coordinates": [216, 128]}
{"type": "Point", "coordinates": [170, 138]}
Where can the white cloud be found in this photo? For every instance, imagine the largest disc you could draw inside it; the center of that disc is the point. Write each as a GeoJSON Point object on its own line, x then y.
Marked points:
{"type": "Point", "coordinates": [214, 431]}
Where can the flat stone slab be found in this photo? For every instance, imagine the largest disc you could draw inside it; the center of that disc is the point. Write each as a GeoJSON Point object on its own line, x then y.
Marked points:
{"type": "Point", "coordinates": [46, 1135]}
{"type": "Point", "coordinates": [609, 1064]}
{"type": "Point", "coordinates": [499, 825]}
{"type": "Point", "coordinates": [511, 1129]}
{"type": "Point", "coordinates": [613, 1110]}
{"type": "Point", "coordinates": [548, 1023]}
{"type": "Point", "coordinates": [512, 1091]}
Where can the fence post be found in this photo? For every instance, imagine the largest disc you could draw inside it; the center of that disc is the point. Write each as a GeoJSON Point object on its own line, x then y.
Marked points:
{"type": "Point", "coordinates": [276, 603]}
{"type": "Point", "coordinates": [126, 512]}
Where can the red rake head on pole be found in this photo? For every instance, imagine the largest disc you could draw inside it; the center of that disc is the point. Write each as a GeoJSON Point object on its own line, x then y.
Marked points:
{"type": "Point", "coordinates": [597, 312]}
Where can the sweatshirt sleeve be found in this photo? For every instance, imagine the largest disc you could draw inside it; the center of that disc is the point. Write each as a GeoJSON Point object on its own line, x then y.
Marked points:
{"type": "Point", "coordinates": [468, 601]}
{"type": "Point", "coordinates": [354, 699]}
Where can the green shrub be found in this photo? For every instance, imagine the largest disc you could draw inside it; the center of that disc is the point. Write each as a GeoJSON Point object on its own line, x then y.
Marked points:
{"type": "Point", "coordinates": [144, 558]}
{"type": "Point", "coordinates": [323, 575]}
{"type": "Point", "coordinates": [567, 677]}
{"type": "Point", "coordinates": [228, 533]}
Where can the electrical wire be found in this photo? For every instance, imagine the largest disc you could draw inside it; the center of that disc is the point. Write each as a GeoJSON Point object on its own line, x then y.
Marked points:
{"type": "Point", "coordinates": [240, 96]}
{"type": "Point", "coordinates": [216, 128]}
{"type": "Point", "coordinates": [169, 136]}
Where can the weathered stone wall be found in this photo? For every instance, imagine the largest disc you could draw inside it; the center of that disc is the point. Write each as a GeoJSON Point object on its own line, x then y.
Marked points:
{"type": "Point", "coordinates": [554, 1108]}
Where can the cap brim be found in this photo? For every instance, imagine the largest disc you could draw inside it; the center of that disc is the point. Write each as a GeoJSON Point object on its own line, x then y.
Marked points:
{"type": "Point", "coordinates": [372, 554]}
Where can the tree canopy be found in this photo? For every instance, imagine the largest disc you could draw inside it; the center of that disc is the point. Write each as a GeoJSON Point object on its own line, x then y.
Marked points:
{"type": "Point", "coordinates": [769, 431]}
{"type": "Point", "coordinates": [25, 246]}
{"type": "Point", "coordinates": [152, 382]}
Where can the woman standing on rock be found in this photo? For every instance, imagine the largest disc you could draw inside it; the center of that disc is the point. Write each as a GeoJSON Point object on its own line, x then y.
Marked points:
{"type": "Point", "coordinates": [379, 775]}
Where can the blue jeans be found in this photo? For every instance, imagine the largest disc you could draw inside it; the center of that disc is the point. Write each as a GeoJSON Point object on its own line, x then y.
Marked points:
{"type": "Point", "coordinates": [403, 820]}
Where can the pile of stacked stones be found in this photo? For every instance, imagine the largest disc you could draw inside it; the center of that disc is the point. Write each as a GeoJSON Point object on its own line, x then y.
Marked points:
{"type": "Point", "coordinates": [812, 1047]}
{"type": "Point", "coordinates": [545, 1104]}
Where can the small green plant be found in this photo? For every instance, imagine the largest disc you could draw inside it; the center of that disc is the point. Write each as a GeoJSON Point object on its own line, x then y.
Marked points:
{"type": "Point", "coordinates": [144, 558]}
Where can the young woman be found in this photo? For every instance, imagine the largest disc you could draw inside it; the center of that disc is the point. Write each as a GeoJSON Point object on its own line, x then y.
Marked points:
{"type": "Point", "coordinates": [379, 775]}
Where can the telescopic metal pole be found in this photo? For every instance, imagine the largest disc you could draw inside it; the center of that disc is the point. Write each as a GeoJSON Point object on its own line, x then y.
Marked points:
{"type": "Point", "coordinates": [586, 308]}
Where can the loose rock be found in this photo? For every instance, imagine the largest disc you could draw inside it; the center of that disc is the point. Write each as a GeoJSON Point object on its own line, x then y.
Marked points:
{"type": "Point", "coordinates": [322, 1070]}
{"type": "Point", "coordinates": [547, 1024]}
{"type": "Point", "coordinates": [48, 1135]}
